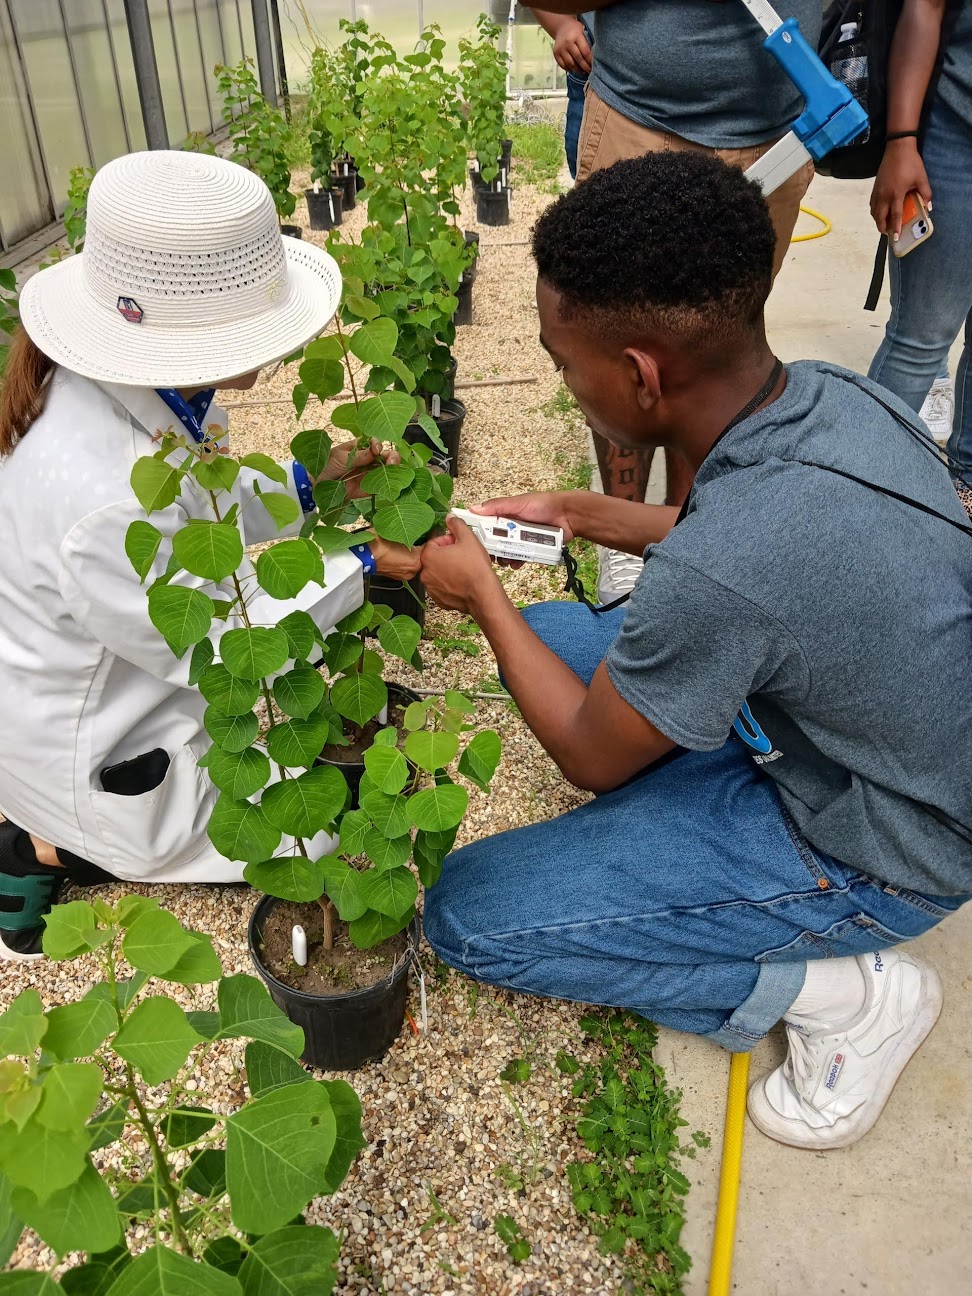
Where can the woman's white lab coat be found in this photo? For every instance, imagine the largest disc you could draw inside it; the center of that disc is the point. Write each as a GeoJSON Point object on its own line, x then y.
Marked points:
{"type": "Point", "coordinates": [86, 680]}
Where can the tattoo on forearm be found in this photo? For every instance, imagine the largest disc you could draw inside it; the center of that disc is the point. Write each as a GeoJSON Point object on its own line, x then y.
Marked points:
{"type": "Point", "coordinates": [624, 473]}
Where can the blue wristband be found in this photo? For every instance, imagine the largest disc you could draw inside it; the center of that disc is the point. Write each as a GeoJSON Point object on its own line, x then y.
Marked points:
{"type": "Point", "coordinates": [305, 491]}
{"type": "Point", "coordinates": [367, 559]}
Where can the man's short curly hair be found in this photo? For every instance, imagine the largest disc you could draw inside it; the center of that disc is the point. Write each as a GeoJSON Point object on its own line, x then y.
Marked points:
{"type": "Point", "coordinates": [666, 244]}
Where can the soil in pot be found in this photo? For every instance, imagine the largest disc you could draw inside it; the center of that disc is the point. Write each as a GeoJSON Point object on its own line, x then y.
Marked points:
{"type": "Point", "coordinates": [327, 972]}
{"type": "Point", "coordinates": [291, 231]}
{"type": "Point", "coordinates": [344, 1027]}
{"type": "Point", "coordinates": [324, 209]}
{"type": "Point", "coordinates": [350, 759]}
{"type": "Point", "coordinates": [449, 421]}
{"type": "Point", "coordinates": [464, 311]}
{"type": "Point", "coordinates": [493, 206]}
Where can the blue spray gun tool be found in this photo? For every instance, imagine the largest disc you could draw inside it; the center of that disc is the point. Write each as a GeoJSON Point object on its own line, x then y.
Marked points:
{"type": "Point", "coordinates": [832, 116]}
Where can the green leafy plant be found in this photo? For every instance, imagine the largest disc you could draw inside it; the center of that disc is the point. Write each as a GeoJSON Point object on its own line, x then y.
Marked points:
{"type": "Point", "coordinates": [221, 1194]}
{"type": "Point", "coordinates": [632, 1190]}
{"type": "Point", "coordinates": [9, 315]}
{"type": "Point", "coordinates": [482, 75]}
{"type": "Point", "coordinates": [198, 578]}
{"type": "Point", "coordinates": [326, 110]}
{"type": "Point", "coordinates": [511, 1235]}
{"type": "Point", "coordinates": [76, 212]}
{"type": "Point", "coordinates": [258, 132]}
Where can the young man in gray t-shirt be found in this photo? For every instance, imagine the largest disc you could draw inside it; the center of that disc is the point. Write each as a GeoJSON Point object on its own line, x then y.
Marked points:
{"type": "Point", "coordinates": [778, 724]}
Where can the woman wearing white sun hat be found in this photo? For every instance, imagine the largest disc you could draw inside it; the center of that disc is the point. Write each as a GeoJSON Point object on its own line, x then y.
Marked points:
{"type": "Point", "coordinates": [184, 285]}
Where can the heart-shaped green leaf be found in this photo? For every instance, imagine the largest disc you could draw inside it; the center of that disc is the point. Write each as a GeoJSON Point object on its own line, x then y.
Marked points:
{"type": "Point", "coordinates": [156, 1039]}
{"type": "Point", "coordinates": [387, 481]}
{"type": "Point", "coordinates": [324, 378]}
{"type": "Point", "coordinates": [297, 1261]}
{"type": "Point", "coordinates": [291, 877]}
{"type": "Point", "coordinates": [202, 656]}
{"type": "Point", "coordinates": [298, 743]}
{"type": "Point", "coordinates": [312, 448]}
{"type": "Point", "coordinates": [359, 698]}
{"type": "Point", "coordinates": [267, 1068]}
{"type": "Point", "coordinates": [390, 891]}
{"type": "Point", "coordinates": [241, 831]}
{"type": "Point", "coordinates": [302, 634]}
{"type": "Point", "coordinates": [284, 569]}
{"type": "Point", "coordinates": [431, 751]}
{"type": "Point", "coordinates": [404, 521]}
{"type": "Point", "coordinates": [239, 774]}
{"type": "Point", "coordinates": [155, 941]}
{"type": "Point", "coordinates": [155, 483]}
{"type": "Point", "coordinates": [342, 884]}
{"type": "Point", "coordinates": [387, 767]}
{"type": "Point", "coordinates": [212, 550]}
{"type": "Point", "coordinates": [161, 1272]}
{"type": "Point", "coordinates": [387, 852]}
{"type": "Point", "coordinates": [252, 654]}
{"type": "Point", "coordinates": [262, 463]}
{"type": "Point", "coordinates": [181, 615]}
{"type": "Point", "coordinates": [283, 509]}
{"type": "Point", "coordinates": [330, 496]}
{"type": "Point", "coordinates": [373, 927]}
{"type": "Point", "coordinates": [233, 732]}
{"type": "Point", "coordinates": [299, 692]}
{"type": "Point", "coordinates": [76, 1029]}
{"type": "Point", "coordinates": [307, 804]}
{"type": "Point", "coordinates": [374, 343]}
{"type": "Point", "coordinates": [385, 417]}
{"type": "Point", "coordinates": [79, 1217]}
{"type": "Point", "coordinates": [481, 757]}
{"type": "Point", "coordinates": [342, 651]}
{"type": "Point", "coordinates": [227, 693]}
{"type": "Point", "coordinates": [23, 1025]}
{"type": "Point", "coordinates": [246, 1011]}
{"type": "Point", "coordinates": [389, 814]}
{"type": "Point", "coordinates": [354, 826]}
{"type": "Point", "coordinates": [438, 808]}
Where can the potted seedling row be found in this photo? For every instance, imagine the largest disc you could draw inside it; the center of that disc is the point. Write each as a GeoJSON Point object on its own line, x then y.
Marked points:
{"type": "Point", "coordinates": [351, 782]}
{"type": "Point", "coordinates": [482, 73]}
{"type": "Point", "coordinates": [258, 136]}
{"type": "Point", "coordinates": [325, 109]}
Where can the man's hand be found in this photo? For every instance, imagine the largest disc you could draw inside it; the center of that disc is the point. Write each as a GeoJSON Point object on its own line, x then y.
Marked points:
{"type": "Point", "coordinates": [348, 464]}
{"type": "Point", "coordinates": [571, 48]}
{"type": "Point", "coordinates": [394, 560]}
{"type": "Point", "coordinates": [456, 569]}
{"type": "Point", "coordinates": [901, 171]}
{"type": "Point", "coordinates": [547, 507]}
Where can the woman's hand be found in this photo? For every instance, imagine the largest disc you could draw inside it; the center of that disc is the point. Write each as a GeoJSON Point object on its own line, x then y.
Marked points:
{"type": "Point", "coordinates": [395, 560]}
{"type": "Point", "coordinates": [571, 49]}
{"type": "Point", "coordinates": [901, 171]}
{"type": "Point", "coordinates": [547, 507]}
{"type": "Point", "coordinates": [349, 464]}
{"type": "Point", "coordinates": [456, 569]}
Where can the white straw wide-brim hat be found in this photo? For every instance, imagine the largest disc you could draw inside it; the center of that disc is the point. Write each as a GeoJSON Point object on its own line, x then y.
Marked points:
{"type": "Point", "coordinates": [184, 278]}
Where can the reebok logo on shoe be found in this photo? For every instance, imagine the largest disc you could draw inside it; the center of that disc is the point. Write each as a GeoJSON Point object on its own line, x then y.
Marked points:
{"type": "Point", "coordinates": [835, 1069]}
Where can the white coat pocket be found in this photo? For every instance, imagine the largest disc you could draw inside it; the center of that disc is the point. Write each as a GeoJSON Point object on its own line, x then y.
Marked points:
{"type": "Point", "coordinates": [153, 836]}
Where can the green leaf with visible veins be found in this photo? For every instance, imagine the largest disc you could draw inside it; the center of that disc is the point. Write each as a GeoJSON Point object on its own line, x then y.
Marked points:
{"type": "Point", "coordinates": [79, 1217]}
{"type": "Point", "coordinates": [241, 831]}
{"type": "Point", "coordinates": [268, 1068]}
{"type": "Point", "coordinates": [211, 550]}
{"type": "Point", "coordinates": [431, 751]}
{"type": "Point", "coordinates": [299, 742]}
{"type": "Point", "coordinates": [359, 697]}
{"type": "Point", "coordinates": [481, 757]}
{"type": "Point", "coordinates": [343, 886]}
{"type": "Point", "coordinates": [71, 929]}
{"type": "Point", "coordinates": [301, 632]}
{"type": "Point", "coordinates": [227, 693]}
{"type": "Point", "coordinates": [155, 941]}
{"type": "Point", "coordinates": [389, 814]}
{"type": "Point", "coordinates": [42, 1159]}
{"type": "Point", "coordinates": [296, 1261]}
{"type": "Point", "coordinates": [291, 877]}
{"type": "Point", "coordinates": [307, 804]}
{"type": "Point", "coordinates": [23, 1025]}
{"type": "Point", "coordinates": [299, 692]}
{"type": "Point", "coordinates": [404, 521]}
{"type": "Point", "coordinates": [238, 774]}
{"type": "Point", "coordinates": [156, 1039]}
{"type": "Point", "coordinates": [181, 615]}
{"type": "Point", "coordinates": [438, 808]}
{"type": "Point", "coordinates": [70, 1094]}
{"type": "Point", "coordinates": [312, 448]}
{"type": "Point", "coordinates": [246, 1010]}
{"type": "Point", "coordinates": [277, 1152]}
{"type": "Point", "coordinates": [142, 542]}
{"type": "Point", "coordinates": [262, 463]}
{"type": "Point", "coordinates": [231, 732]}
{"type": "Point", "coordinates": [283, 509]}
{"type": "Point", "coordinates": [390, 891]}
{"type": "Point", "coordinates": [77, 1029]}
{"type": "Point", "coordinates": [387, 767]}
{"type": "Point", "coordinates": [251, 654]}
{"type": "Point", "coordinates": [385, 417]}
{"type": "Point", "coordinates": [161, 1272]}
{"type": "Point", "coordinates": [284, 569]}
{"type": "Point", "coordinates": [156, 484]}
{"type": "Point", "coordinates": [375, 342]}
{"type": "Point", "coordinates": [400, 636]}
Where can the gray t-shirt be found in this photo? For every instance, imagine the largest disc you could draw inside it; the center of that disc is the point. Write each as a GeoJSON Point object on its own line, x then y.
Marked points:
{"type": "Point", "coordinates": [829, 625]}
{"type": "Point", "coordinates": [955, 86]}
{"type": "Point", "coordinates": [697, 68]}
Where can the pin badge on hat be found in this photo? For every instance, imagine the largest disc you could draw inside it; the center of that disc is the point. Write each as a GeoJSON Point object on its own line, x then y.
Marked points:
{"type": "Point", "coordinates": [129, 308]}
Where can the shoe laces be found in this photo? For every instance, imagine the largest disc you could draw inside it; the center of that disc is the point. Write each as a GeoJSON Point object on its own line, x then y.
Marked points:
{"type": "Point", "coordinates": [938, 405]}
{"type": "Point", "coordinates": [802, 1059]}
{"type": "Point", "coordinates": [623, 566]}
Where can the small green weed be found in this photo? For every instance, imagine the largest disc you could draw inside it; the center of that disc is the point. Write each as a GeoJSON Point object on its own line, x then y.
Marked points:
{"type": "Point", "coordinates": [632, 1190]}
{"type": "Point", "coordinates": [439, 1213]}
{"type": "Point", "coordinates": [511, 1235]}
{"type": "Point", "coordinates": [538, 155]}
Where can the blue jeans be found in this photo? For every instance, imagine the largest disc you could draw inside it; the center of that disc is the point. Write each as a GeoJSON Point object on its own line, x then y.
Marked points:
{"type": "Point", "coordinates": [576, 86]}
{"type": "Point", "coordinates": [931, 288]}
{"type": "Point", "coordinates": [688, 895]}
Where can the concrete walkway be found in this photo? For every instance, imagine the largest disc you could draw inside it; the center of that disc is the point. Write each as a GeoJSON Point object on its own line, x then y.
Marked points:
{"type": "Point", "coordinates": [891, 1214]}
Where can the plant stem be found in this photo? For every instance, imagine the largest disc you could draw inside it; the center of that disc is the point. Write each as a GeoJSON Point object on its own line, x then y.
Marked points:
{"type": "Point", "coordinates": [162, 1169]}
{"type": "Point", "coordinates": [327, 909]}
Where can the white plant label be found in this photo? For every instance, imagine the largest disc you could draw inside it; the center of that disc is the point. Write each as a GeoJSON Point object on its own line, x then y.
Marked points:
{"type": "Point", "coordinates": [298, 943]}
{"type": "Point", "coordinates": [383, 715]}
{"type": "Point", "coordinates": [330, 203]}
{"type": "Point", "coordinates": [436, 406]}
{"type": "Point", "coordinates": [317, 186]}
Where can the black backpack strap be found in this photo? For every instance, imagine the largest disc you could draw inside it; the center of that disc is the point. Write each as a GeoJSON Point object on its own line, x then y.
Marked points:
{"type": "Point", "coordinates": [877, 274]}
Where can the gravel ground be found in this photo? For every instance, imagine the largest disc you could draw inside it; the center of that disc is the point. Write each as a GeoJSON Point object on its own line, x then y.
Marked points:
{"type": "Point", "coordinates": [437, 1118]}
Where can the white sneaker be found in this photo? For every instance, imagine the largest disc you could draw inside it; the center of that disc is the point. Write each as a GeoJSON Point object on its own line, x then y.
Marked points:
{"type": "Point", "coordinates": [617, 574]}
{"type": "Point", "coordinates": [938, 410]}
{"type": "Point", "coordinates": [835, 1081]}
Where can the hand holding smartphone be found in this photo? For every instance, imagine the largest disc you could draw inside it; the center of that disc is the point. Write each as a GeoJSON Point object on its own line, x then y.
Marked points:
{"type": "Point", "coordinates": [916, 225]}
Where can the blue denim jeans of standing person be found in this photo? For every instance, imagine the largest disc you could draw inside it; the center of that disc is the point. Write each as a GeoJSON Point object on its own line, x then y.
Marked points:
{"type": "Point", "coordinates": [931, 287]}
{"type": "Point", "coordinates": [576, 85]}
{"type": "Point", "coordinates": [687, 895]}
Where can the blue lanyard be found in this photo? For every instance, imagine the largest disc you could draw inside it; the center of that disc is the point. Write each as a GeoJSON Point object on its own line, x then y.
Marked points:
{"type": "Point", "coordinates": [190, 413]}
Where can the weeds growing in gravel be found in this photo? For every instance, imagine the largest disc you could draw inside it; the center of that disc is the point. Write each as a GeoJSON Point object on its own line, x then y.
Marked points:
{"type": "Point", "coordinates": [632, 1190]}
{"type": "Point", "coordinates": [539, 152]}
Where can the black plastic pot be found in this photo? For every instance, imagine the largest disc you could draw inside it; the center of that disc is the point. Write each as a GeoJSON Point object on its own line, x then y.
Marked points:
{"type": "Point", "coordinates": [450, 377]}
{"type": "Point", "coordinates": [493, 206]}
{"type": "Point", "coordinates": [477, 180]}
{"type": "Point", "coordinates": [472, 241]}
{"type": "Point", "coordinates": [291, 231]}
{"type": "Point", "coordinates": [342, 1031]}
{"type": "Point", "coordinates": [324, 209]}
{"type": "Point", "coordinates": [449, 422]}
{"type": "Point", "coordinates": [346, 179]}
{"type": "Point", "coordinates": [464, 311]}
{"type": "Point", "coordinates": [506, 153]}
{"type": "Point", "coordinates": [353, 771]}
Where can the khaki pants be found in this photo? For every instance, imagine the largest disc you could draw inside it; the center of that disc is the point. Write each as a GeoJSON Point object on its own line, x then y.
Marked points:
{"type": "Point", "coordinates": [607, 136]}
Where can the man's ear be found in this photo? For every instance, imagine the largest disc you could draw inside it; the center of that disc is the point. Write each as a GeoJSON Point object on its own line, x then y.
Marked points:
{"type": "Point", "coordinates": [647, 377]}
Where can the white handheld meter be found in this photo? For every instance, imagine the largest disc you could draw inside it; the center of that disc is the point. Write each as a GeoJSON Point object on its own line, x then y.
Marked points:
{"type": "Point", "coordinates": [519, 541]}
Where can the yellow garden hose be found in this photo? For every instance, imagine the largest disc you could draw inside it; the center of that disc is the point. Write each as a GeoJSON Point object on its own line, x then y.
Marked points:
{"type": "Point", "coordinates": [732, 1144]}
{"type": "Point", "coordinates": [826, 226]}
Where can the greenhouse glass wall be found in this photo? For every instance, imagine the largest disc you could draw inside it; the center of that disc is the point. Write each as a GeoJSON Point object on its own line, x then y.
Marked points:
{"type": "Point", "coordinates": [69, 96]}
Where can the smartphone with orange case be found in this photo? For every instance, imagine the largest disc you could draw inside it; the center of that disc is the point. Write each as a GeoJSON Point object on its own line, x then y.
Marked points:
{"type": "Point", "coordinates": [916, 225]}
